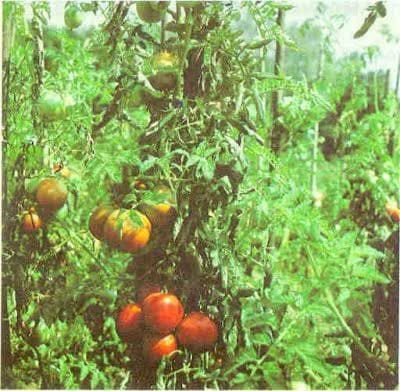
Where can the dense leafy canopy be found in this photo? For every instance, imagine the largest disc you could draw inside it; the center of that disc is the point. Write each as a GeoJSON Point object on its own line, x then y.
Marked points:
{"type": "Point", "coordinates": [288, 249]}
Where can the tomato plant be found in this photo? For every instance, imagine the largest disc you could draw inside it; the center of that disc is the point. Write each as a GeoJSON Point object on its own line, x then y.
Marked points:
{"type": "Point", "coordinates": [223, 152]}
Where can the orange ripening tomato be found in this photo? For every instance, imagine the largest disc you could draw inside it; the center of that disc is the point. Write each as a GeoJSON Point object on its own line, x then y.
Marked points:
{"type": "Point", "coordinates": [121, 233]}
{"type": "Point", "coordinates": [51, 194]}
{"type": "Point", "coordinates": [155, 347]}
{"type": "Point", "coordinates": [97, 220]}
{"type": "Point", "coordinates": [162, 312]}
{"type": "Point", "coordinates": [197, 332]}
{"type": "Point", "coordinates": [31, 222]}
{"type": "Point", "coordinates": [393, 211]}
{"type": "Point", "coordinates": [139, 185]}
{"type": "Point", "coordinates": [130, 322]}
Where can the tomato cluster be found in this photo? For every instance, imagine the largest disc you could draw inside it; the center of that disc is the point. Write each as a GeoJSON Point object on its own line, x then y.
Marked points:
{"type": "Point", "coordinates": [130, 230]}
{"type": "Point", "coordinates": [51, 195]}
{"type": "Point", "coordinates": [154, 321]}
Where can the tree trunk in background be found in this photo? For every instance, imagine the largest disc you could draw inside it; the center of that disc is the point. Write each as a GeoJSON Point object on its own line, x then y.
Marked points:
{"type": "Point", "coordinates": [276, 128]}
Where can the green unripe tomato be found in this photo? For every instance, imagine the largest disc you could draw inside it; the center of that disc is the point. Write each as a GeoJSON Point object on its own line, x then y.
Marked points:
{"type": "Point", "coordinates": [51, 106]}
{"type": "Point", "coordinates": [73, 17]}
{"type": "Point", "coordinates": [149, 11]}
{"type": "Point", "coordinates": [51, 63]}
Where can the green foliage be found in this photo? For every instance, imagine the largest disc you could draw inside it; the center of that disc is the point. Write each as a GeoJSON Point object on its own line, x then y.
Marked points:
{"type": "Point", "coordinates": [292, 282]}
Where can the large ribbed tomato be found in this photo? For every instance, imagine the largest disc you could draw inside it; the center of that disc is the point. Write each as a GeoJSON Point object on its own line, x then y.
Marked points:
{"type": "Point", "coordinates": [51, 194]}
{"type": "Point", "coordinates": [124, 234]}
{"type": "Point", "coordinates": [155, 347]}
{"type": "Point", "coordinates": [97, 220]}
{"type": "Point", "coordinates": [31, 222]}
{"type": "Point", "coordinates": [197, 332]}
{"type": "Point", "coordinates": [162, 312]}
{"type": "Point", "coordinates": [130, 322]}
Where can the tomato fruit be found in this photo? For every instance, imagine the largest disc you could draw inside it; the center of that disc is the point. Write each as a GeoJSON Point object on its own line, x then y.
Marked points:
{"type": "Point", "coordinates": [164, 60]}
{"type": "Point", "coordinates": [197, 332]}
{"type": "Point", "coordinates": [73, 17]}
{"type": "Point", "coordinates": [165, 65]}
{"type": "Point", "coordinates": [163, 81]}
{"type": "Point", "coordinates": [161, 215]}
{"type": "Point", "coordinates": [31, 222]}
{"type": "Point", "coordinates": [147, 289]}
{"type": "Point", "coordinates": [123, 234]}
{"type": "Point", "coordinates": [162, 312]}
{"type": "Point", "coordinates": [393, 211]}
{"type": "Point", "coordinates": [155, 347]}
{"type": "Point", "coordinates": [51, 106]}
{"type": "Point", "coordinates": [130, 322]}
{"type": "Point", "coordinates": [51, 194]}
{"type": "Point", "coordinates": [139, 185]}
{"type": "Point", "coordinates": [97, 220]}
{"type": "Point", "coordinates": [151, 11]}
{"type": "Point", "coordinates": [51, 63]}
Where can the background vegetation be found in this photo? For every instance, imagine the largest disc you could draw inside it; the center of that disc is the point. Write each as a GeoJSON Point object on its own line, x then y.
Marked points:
{"type": "Point", "coordinates": [281, 170]}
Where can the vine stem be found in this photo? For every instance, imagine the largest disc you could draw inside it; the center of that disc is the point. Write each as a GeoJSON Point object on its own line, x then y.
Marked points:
{"type": "Point", "coordinates": [332, 304]}
{"type": "Point", "coordinates": [314, 167]}
{"type": "Point", "coordinates": [188, 34]}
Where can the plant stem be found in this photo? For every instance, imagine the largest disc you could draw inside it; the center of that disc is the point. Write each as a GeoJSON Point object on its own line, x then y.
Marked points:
{"type": "Point", "coordinates": [275, 130]}
{"type": "Point", "coordinates": [188, 34]}
{"type": "Point", "coordinates": [314, 161]}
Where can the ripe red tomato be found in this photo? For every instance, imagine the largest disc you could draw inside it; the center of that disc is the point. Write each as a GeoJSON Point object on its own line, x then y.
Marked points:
{"type": "Point", "coordinates": [147, 289]}
{"type": "Point", "coordinates": [197, 332]}
{"type": "Point", "coordinates": [162, 312]}
{"type": "Point", "coordinates": [157, 346]}
{"type": "Point", "coordinates": [130, 322]}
